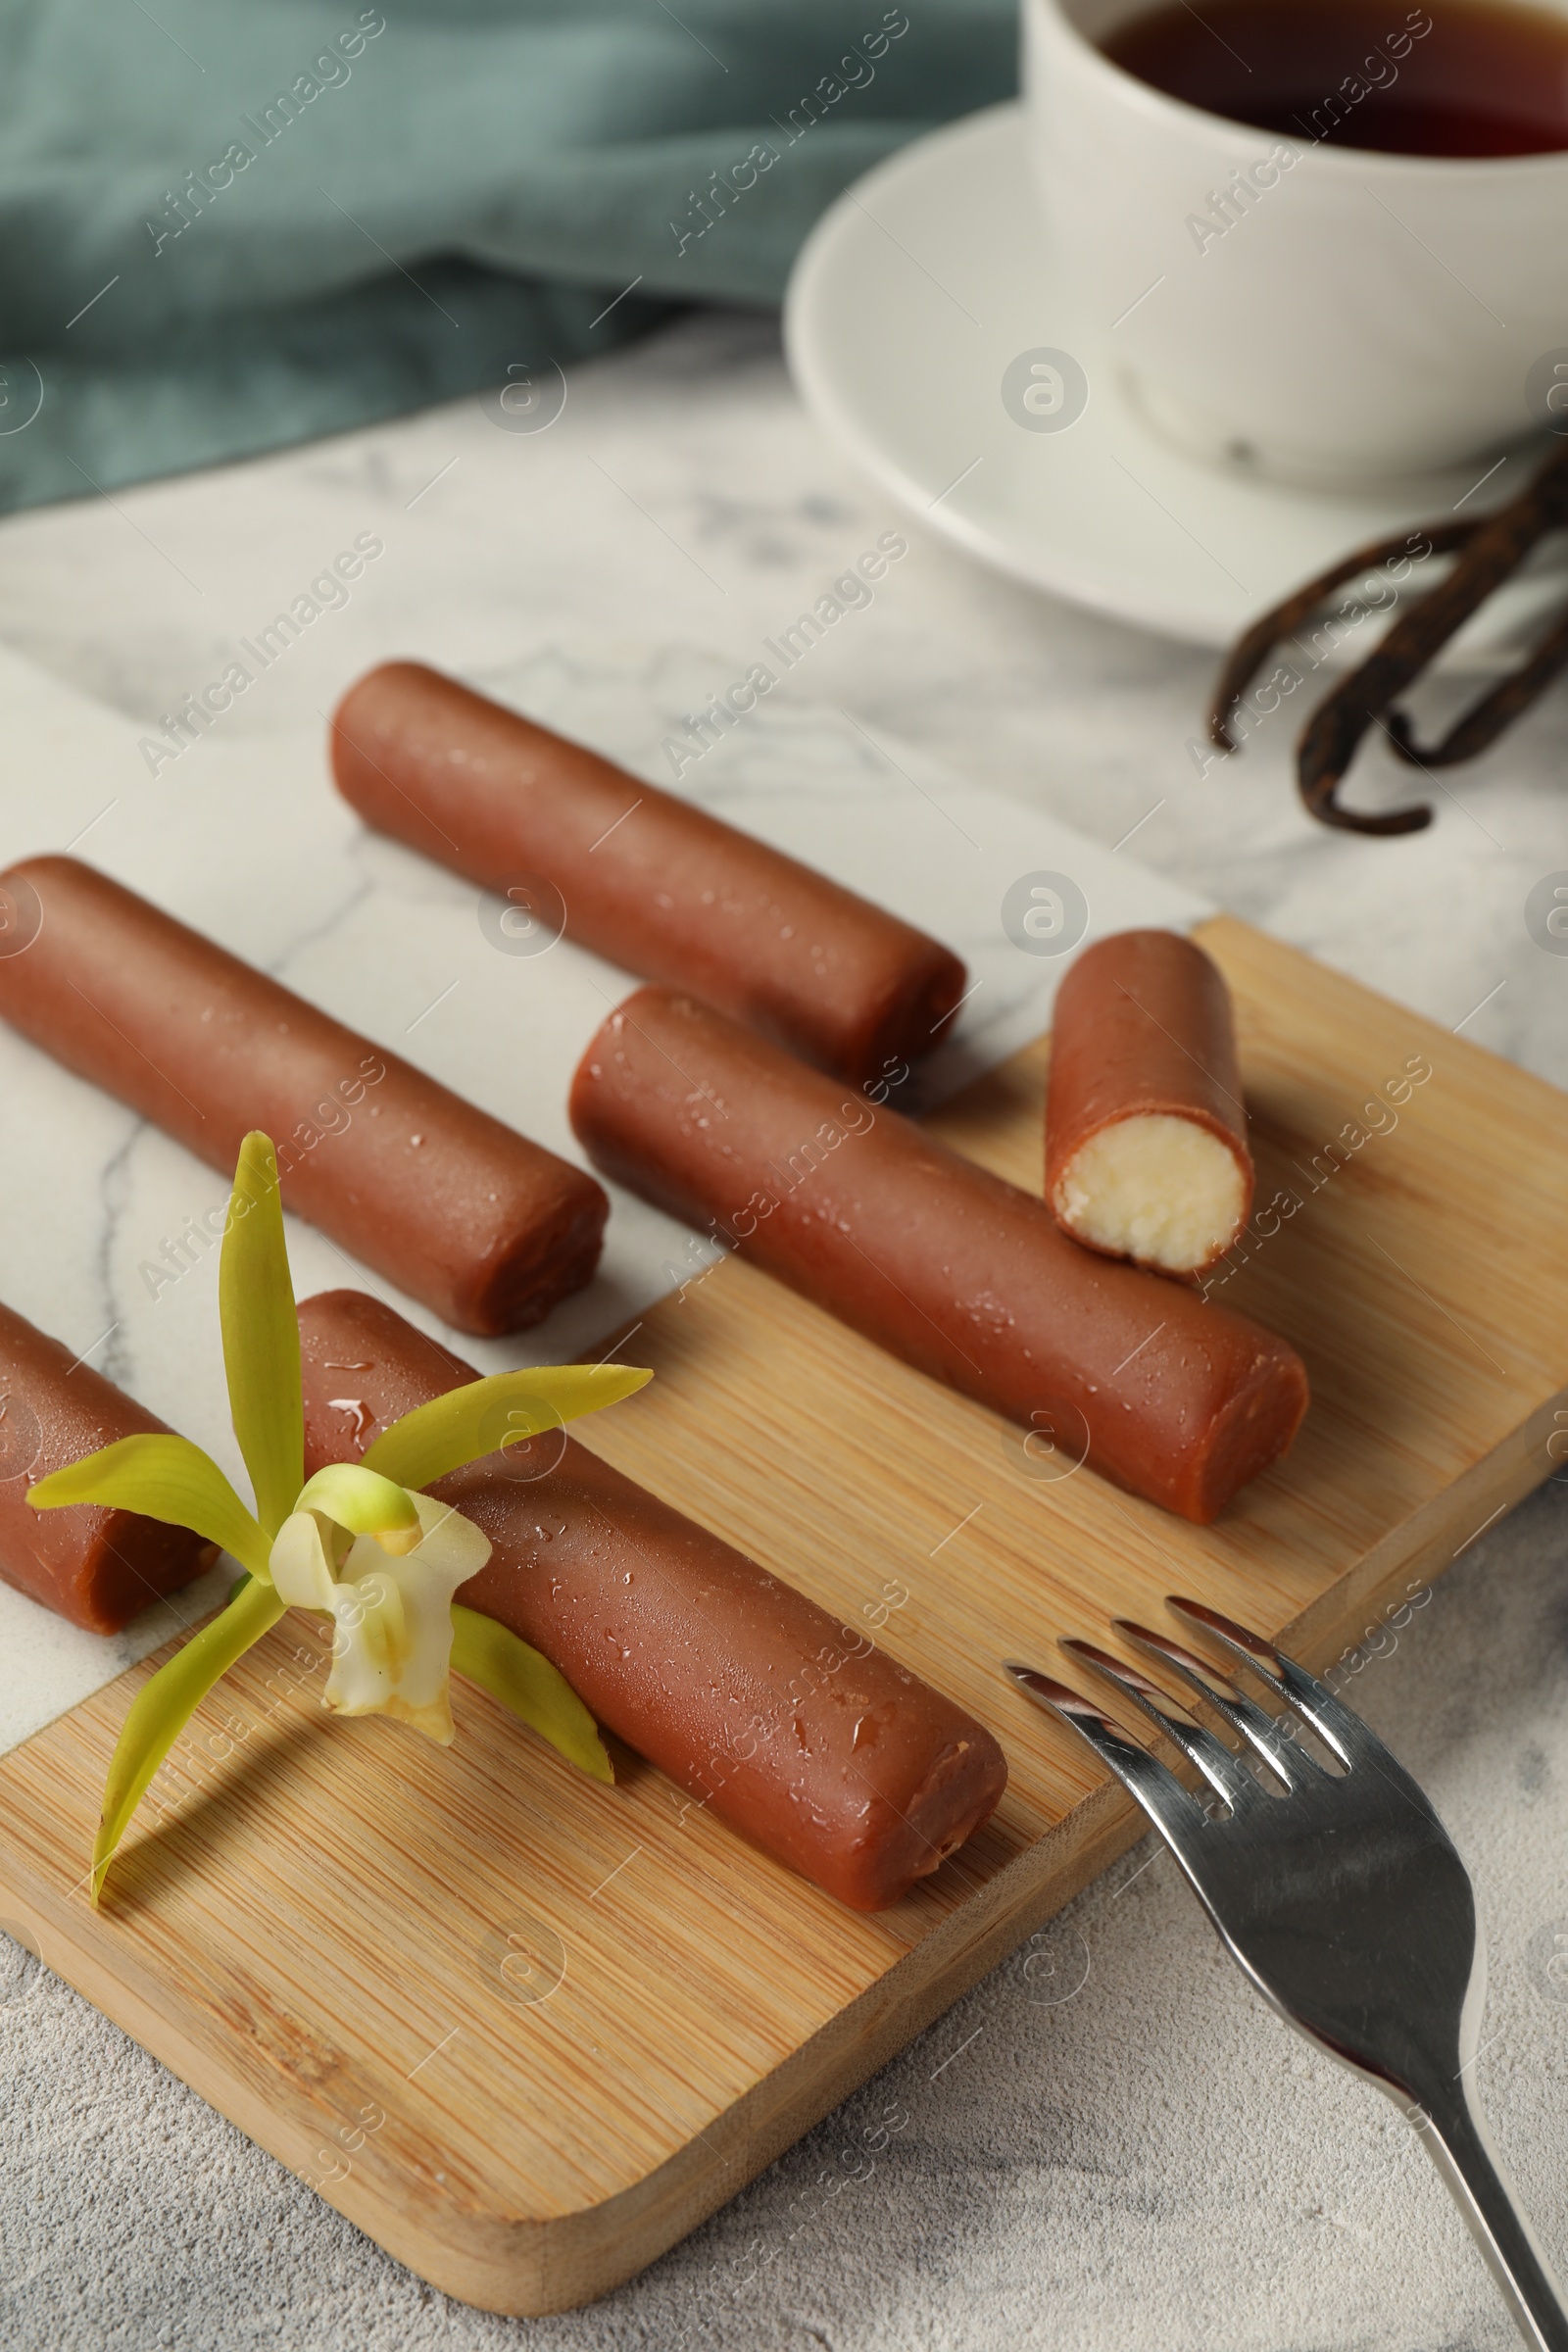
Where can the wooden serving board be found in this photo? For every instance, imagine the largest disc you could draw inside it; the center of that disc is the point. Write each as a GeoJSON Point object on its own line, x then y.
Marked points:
{"type": "Point", "coordinates": [525, 2031]}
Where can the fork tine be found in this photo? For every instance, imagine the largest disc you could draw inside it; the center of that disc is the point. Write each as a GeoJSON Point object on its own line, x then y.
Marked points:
{"type": "Point", "coordinates": [1223, 1771]}
{"type": "Point", "coordinates": [1333, 1721]}
{"type": "Point", "coordinates": [1262, 1730]}
{"type": "Point", "coordinates": [1257, 1652]}
{"type": "Point", "coordinates": [1174, 1811]}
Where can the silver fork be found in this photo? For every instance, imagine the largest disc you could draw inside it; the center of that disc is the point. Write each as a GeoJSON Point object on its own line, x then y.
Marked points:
{"type": "Point", "coordinates": [1341, 1897]}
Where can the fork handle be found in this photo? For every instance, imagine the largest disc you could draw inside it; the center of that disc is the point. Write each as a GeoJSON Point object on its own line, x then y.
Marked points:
{"type": "Point", "coordinates": [1457, 2138]}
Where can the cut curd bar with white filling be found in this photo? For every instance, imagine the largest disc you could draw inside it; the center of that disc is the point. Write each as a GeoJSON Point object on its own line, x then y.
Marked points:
{"type": "Point", "coordinates": [1155, 1187]}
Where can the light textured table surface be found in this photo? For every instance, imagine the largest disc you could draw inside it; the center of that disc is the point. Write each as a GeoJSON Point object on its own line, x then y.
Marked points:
{"type": "Point", "coordinates": [1109, 2143]}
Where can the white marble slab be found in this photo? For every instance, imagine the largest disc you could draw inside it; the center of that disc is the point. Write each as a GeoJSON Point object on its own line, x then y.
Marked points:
{"type": "Point", "coordinates": [249, 841]}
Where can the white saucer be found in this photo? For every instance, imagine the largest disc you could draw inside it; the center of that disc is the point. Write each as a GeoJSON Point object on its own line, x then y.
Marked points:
{"type": "Point", "coordinates": [908, 302]}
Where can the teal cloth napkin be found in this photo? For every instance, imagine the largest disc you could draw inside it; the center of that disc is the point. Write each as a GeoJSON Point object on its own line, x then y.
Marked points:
{"type": "Point", "coordinates": [230, 225]}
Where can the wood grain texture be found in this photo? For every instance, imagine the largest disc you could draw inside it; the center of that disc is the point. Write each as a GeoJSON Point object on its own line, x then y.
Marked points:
{"type": "Point", "coordinates": [525, 2031]}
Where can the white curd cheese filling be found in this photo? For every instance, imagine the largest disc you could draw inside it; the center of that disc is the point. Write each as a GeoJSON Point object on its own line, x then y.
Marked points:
{"type": "Point", "coordinates": [1155, 1187]}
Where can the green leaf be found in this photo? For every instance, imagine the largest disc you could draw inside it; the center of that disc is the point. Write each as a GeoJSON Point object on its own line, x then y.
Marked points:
{"type": "Point", "coordinates": [162, 1708]}
{"type": "Point", "coordinates": [360, 1499]}
{"type": "Point", "coordinates": [530, 1687]}
{"type": "Point", "coordinates": [484, 1415]}
{"type": "Point", "coordinates": [262, 1335]}
{"type": "Point", "coordinates": [164, 1477]}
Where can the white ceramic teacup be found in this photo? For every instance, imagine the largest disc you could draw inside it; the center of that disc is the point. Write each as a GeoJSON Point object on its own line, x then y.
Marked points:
{"type": "Point", "coordinates": [1322, 312]}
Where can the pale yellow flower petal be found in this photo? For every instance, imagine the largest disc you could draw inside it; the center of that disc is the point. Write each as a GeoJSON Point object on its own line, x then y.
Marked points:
{"type": "Point", "coordinates": [261, 1333]}
{"type": "Point", "coordinates": [361, 1499]}
{"type": "Point", "coordinates": [369, 1638]}
{"type": "Point", "coordinates": [392, 1652]}
{"type": "Point", "coordinates": [453, 1545]}
{"type": "Point", "coordinates": [162, 1708]}
{"type": "Point", "coordinates": [301, 1569]}
{"type": "Point", "coordinates": [166, 1478]}
{"type": "Point", "coordinates": [434, 1721]}
{"type": "Point", "coordinates": [487, 1414]}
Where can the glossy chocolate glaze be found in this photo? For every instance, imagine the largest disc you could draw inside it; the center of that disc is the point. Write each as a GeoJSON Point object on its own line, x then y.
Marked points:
{"type": "Point", "coordinates": [936, 1259]}
{"type": "Point", "coordinates": [486, 1228]}
{"type": "Point", "coordinates": [647, 880]}
{"type": "Point", "coordinates": [98, 1568]}
{"type": "Point", "coordinates": [1143, 1024]}
{"type": "Point", "coordinates": [794, 1728]}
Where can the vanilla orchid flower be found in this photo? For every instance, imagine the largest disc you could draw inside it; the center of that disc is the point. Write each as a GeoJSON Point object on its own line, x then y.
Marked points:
{"type": "Point", "coordinates": [358, 1542]}
{"type": "Point", "coordinates": [387, 1579]}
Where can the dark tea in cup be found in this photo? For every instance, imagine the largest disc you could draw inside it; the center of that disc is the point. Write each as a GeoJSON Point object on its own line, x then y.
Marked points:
{"type": "Point", "coordinates": [1450, 78]}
